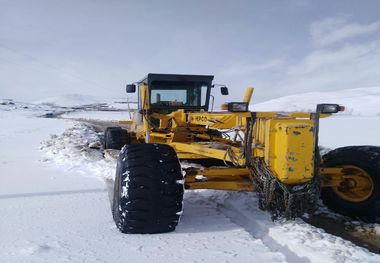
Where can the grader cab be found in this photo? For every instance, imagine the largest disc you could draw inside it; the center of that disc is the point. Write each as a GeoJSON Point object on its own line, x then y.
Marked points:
{"type": "Point", "coordinates": [275, 154]}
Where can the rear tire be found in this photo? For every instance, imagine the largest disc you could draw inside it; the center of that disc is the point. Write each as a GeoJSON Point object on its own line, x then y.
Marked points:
{"type": "Point", "coordinates": [361, 158]}
{"type": "Point", "coordinates": [148, 190]}
{"type": "Point", "coordinates": [115, 138]}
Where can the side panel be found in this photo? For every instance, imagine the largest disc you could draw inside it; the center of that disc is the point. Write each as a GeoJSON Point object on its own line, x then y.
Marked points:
{"type": "Point", "coordinates": [290, 149]}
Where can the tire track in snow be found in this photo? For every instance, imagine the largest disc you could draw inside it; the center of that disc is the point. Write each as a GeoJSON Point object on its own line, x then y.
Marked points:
{"type": "Point", "coordinates": [297, 240]}
{"type": "Point", "coordinates": [258, 229]}
{"type": "Point", "coordinates": [202, 215]}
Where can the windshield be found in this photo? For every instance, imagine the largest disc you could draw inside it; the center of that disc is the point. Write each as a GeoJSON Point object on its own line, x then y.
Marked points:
{"type": "Point", "coordinates": [178, 94]}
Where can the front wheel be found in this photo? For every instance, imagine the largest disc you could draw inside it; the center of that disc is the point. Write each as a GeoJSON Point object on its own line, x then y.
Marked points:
{"type": "Point", "coordinates": [148, 189]}
{"type": "Point", "coordinates": [115, 138]}
{"type": "Point", "coordinates": [358, 195]}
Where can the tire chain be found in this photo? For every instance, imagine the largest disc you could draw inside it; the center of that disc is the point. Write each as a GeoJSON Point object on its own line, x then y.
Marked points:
{"type": "Point", "coordinates": [283, 201]}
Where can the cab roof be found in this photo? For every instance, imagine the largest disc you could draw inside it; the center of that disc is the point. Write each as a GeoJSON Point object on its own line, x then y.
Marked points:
{"type": "Point", "coordinates": [176, 77]}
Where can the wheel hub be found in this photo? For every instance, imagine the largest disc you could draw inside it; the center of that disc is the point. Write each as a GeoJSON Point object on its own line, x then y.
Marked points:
{"type": "Point", "coordinates": [357, 185]}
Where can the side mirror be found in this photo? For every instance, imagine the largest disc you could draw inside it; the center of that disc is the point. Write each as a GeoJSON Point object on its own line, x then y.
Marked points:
{"type": "Point", "coordinates": [224, 90]}
{"type": "Point", "coordinates": [131, 88]}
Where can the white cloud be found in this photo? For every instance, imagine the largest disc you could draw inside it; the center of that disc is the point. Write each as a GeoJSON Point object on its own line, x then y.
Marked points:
{"type": "Point", "coordinates": [351, 66]}
{"type": "Point", "coordinates": [246, 69]}
{"type": "Point", "coordinates": [332, 30]}
{"type": "Point", "coordinates": [344, 65]}
{"type": "Point", "coordinates": [344, 56]}
{"type": "Point", "coordinates": [326, 67]}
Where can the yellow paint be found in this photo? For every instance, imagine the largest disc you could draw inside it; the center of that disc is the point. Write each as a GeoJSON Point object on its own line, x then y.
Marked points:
{"type": "Point", "coordinates": [218, 120]}
{"type": "Point", "coordinates": [290, 146]}
{"type": "Point", "coordinates": [208, 151]}
{"type": "Point", "coordinates": [187, 155]}
{"type": "Point", "coordinates": [127, 122]}
{"type": "Point", "coordinates": [222, 185]}
{"type": "Point", "coordinates": [248, 95]}
{"type": "Point", "coordinates": [350, 183]}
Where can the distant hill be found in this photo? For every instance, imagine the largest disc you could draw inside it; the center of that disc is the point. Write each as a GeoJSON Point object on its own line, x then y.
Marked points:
{"type": "Point", "coordinates": [70, 100]}
{"type": "Point", "coordinates": [358, 102]}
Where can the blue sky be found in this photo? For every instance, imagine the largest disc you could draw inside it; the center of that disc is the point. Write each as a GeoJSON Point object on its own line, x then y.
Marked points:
{"type": "Point", "coordinates": [54, 47]}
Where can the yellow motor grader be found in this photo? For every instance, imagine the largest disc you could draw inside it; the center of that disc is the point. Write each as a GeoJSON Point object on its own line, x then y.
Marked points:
{"type": "Point", "coordinates": [275, 154]}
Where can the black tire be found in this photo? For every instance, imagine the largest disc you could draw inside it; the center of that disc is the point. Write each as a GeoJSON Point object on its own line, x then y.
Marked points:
{"type": "Point", "coordinates": [148, 191]}
{"type": "Point", "coordinates": [115, 138]}
{"type": "Point", "coordinates": [366, 158]}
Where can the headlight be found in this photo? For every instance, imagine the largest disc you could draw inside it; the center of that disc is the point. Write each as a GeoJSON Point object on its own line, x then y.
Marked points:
{"type": "Point", "coordinates": [237, 106]}
{"type": "Point", "coordinates": [329, 108]}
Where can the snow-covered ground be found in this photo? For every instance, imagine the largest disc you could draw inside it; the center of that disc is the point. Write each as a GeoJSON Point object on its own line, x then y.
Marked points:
{"type": "Point", "coordinates": [98, 115]}
{"type": "Point", "coordinates": [54, 205]}
{"type": "Point", "coordinates": [342, 131]}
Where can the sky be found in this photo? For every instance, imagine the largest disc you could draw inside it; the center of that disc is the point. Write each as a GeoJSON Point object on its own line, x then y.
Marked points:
{"type": "Point", "coordinates": [55, 47]}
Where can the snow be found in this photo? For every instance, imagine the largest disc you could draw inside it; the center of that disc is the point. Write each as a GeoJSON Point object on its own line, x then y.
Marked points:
{"type": "Point", "coordinates": [72, 150]}
{"type": "Point", "coordinates": [98, 115]}
{"type": "Point", "coordinates": [342, 131]}
{"type": "Point", "coordinates": [39, 203]}
{"type": "Point", "coordinates": [83, 100]}
{"type": "Point", "coordinates": [358, 102]}
{"type": "Point", "coordinates": [54, 205]}
{"type": "Point", "coordinates": [299, 241]}
{"type": "Point", "coordinates": [357, 125]}
{"type": "Point", "coordinates": [70, 100]}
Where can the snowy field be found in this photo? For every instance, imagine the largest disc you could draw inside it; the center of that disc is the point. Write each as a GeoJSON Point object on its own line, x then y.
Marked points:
{"type": "Point", "coordinates": [54, 205]}
{"type": "Point", "coordinates": [98, 115]}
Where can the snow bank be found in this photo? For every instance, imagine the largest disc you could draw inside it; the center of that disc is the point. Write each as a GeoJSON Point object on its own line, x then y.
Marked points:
{"type": "Point", "coordinates": [79, 148]}
{"type": "Point", "coordinates": [358, 102]}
